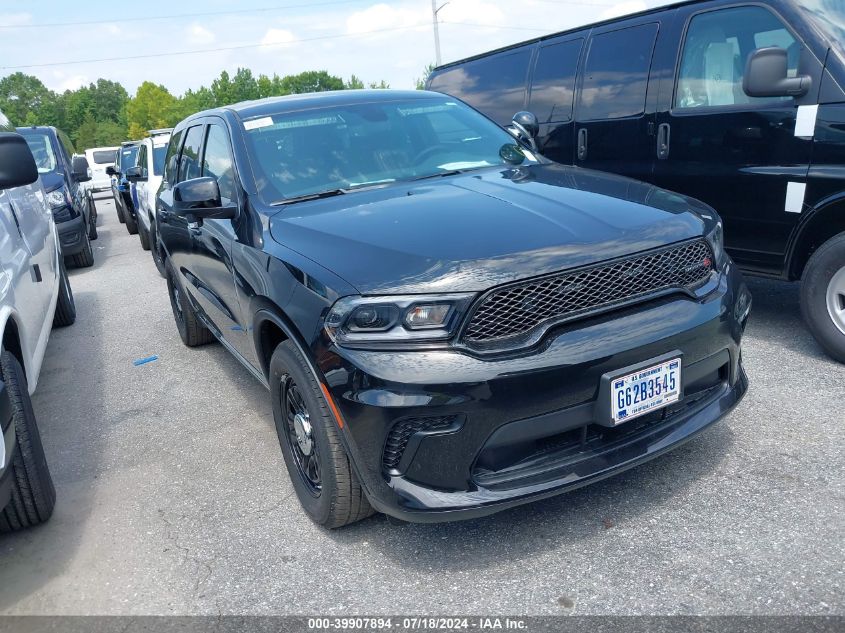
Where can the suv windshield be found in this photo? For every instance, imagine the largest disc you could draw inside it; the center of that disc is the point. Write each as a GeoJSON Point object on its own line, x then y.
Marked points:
{"type": "Point", "coordinates": [42, 151]}
{"type": "Point", "coordinates": [346, 146]}
{"type": "Point", "coordinates": [829, 15]}
{"type": "Point", "coordinates": [127, 157]}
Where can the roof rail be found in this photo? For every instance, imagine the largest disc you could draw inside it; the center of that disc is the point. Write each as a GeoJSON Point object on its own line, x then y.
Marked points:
{"type": "Point", "coordinates": [164, 130]}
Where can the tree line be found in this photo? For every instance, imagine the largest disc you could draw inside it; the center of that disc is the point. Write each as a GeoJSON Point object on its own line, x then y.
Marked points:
{"type": "Point", "coordinates": [104, 114]}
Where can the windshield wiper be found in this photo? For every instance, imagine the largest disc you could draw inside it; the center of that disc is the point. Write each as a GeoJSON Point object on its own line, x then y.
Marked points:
{"type": "Point", "coordinates": [329, 193]}
{"type": "Point", "coordinates": [440, 174]}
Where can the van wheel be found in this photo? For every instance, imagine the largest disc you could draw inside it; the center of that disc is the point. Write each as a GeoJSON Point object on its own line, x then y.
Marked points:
{"type": "Point", "coordinates": [33, 495]}
{"type": "Point", "coordinates": [85, 257]}
{"type": "Point", "coordinates": [144, 236]}
{"type": "Point", "coordinates": [157, 252]}
{"type": "Point", "coordinates": [65, 306]}
{"type": "Point", "coordinates": [823, 296]}
{"type": "Point", "coordinates": [119, 210]}
{"type": "Point", "coordinates": [317, 463]}
{"type": "Point", "coordinates": [191, 329]}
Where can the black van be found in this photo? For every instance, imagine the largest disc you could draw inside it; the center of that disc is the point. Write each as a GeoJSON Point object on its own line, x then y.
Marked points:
{"type": "Point", "coordinates": [62, 174]}
{"type": "Point", "coordinates": [739, 104]}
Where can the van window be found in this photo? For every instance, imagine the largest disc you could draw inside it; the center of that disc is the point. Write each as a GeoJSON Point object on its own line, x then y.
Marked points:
{"type": "Point", "coordinates": [553, 82]}
{"type": "Point", "coordinates": [104, 157]}
{"type": "Point", "coordinates": [616, 73]}
{"type": "Point", "coordinates": [716, 49]}
{"type": "Point", "coordinates": [494, 85]}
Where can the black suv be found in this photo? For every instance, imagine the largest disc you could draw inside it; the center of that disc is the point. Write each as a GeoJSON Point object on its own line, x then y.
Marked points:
{"type": "Point", "coordinates": [738, 104]}
{"type": "Point", "coordinates": [62, 175]}
{"type": "Point", "coordinates": [448, 324]}
{"type": "Point", "coordinates": [121, 188]}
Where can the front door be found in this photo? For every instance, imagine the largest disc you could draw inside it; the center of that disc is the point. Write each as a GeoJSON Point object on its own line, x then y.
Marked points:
{"type": "Point", "coordinates": [741, 155]}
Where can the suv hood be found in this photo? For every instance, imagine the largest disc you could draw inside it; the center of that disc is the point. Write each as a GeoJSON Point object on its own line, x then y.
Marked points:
{"type": "Point", "coordinates": [472, 231]}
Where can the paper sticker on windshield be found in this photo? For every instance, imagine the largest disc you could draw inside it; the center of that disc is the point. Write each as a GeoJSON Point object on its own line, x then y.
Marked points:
{"type": "Point", "coordinates": [254, 124]}
{"type": "Point", "coordinates": [423, 109]}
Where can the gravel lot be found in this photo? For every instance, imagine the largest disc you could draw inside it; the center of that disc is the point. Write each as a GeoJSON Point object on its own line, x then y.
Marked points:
{"type": "Point", "coordinates": [173, 499]}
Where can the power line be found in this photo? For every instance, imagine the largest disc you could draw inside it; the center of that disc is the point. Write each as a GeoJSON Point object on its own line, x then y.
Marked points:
{"type": "Point", "coordinates": [497, 26]}
{"type": "Point", "coordinates": [212, 50]}
{"type": "Point", "coordinates": [177, 15]}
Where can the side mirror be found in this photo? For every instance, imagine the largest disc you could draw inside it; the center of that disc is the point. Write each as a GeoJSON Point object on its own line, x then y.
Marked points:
{"type": "Point", "coordinates": [111, 171]}
{"type": "Point", "coordinates": [199, 199]}
{"type": "Point", "coordinates": [527, 127]}
{"type": "Point", "coordinates": [17, 166]}
{"type": "Point", "coordinates": [766, 75]}
{"type": "Point", "coordinates": [135, 174]}
{"type": "Point", "coordinates": [80, 171]}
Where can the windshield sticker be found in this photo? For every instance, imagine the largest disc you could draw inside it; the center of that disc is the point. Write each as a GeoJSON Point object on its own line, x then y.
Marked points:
{"type": "Point", "coordinates": [254, 124]}
{"type": "Point", "coordinates": [423, 109]}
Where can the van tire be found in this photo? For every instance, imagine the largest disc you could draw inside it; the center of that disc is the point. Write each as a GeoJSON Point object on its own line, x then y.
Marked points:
{"type": "Point", "coordinates": [33, 494]}
{"type": "Point", "coordinates": [192, 331]}
{"type": "Point", "coordinates": [65, 306]}
{"type": "Point", "coordinates": [341, 499]}
{"type": "Point", "coordinates": [826, 266]}
{"type": "Point", "coordinates": [85, 257]}
{"type": "Point", "coordinates": [156, 251]}
{"type": "Point", "coordinates": [144, 237]}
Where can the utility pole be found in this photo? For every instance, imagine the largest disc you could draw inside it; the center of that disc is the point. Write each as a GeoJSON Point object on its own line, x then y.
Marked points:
{"type": "Point", "coordinates": [434, 11]}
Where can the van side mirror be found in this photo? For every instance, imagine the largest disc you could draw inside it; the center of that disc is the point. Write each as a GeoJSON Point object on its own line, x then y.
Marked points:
{"type": "Point", "coordinates": [111, 171]}
{"type": "Point", "coordinates": [525, 126]}
{"type": "Point", "coordinates": [766, 75]}
{"type": "Point", "coordinates": [135, 174]}
{"type": "Point", "coordinates": [17, 165]}
{"type": "Point", "coordinates": [80, 171]}
{"type": "Point", "coordinates": [199, 199]}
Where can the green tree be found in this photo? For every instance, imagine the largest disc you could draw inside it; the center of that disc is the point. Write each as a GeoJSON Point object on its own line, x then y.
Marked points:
{"type": "Point", "coordinates": [421, 81]}
{"type": "Point", "coordinates": [22, 94]}
{"type": "Point", "coordinates": [382, 85]}
{"type": "Point", "coordinates": [354, 83]}
{"type": "Point", "coordinates": [310, 81]}
{"type": "Point", "coordinates": [195, 101]}
{"type": "Point", "coordinates": [151, 107]}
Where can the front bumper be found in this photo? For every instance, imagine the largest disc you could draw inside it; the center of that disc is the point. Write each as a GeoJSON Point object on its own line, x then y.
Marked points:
{"type": "Point", "coordinates": [478, 435]}
{"type": "Point", "coordinates": [72, 235]}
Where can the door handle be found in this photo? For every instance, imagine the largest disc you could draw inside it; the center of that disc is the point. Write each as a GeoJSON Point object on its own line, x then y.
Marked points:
{"type": "Point", "coordinates": [582, 143]}
{"type": "Point", "coordinates": [663, 138]}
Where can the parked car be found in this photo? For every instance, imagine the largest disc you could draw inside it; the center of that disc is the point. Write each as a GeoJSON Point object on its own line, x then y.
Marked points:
{"type": "Point", "coordinates": [100, 159]}
{"type": "Point", "coordinates": [147, 178]}
{"type": "Point", "coordinates": [121, 188]}
{"type": "Point", "coordinates": [34, 295]}
{"type": "Point", "coordinates": [448, 324]}
{"type": "Point", "coordinates": [738, 104]}
{"type": "Point", "coordinates": [72, 203]}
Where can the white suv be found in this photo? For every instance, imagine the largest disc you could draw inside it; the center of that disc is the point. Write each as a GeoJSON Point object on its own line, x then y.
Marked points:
{"type": "Point", "coordinates": [99, 158]}
{"type": "Point", "coordinates": [34, 296]}
{"type": "Point", "coordinates": [147, 175]}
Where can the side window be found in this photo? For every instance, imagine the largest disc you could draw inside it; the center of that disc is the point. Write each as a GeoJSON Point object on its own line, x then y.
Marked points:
{"type": "Point", "coordinates": [716, 47]}
{"type": "Point", "coordinates": [142, 160]}
{"type": "Point", "coordinates": [171, 159]}
{"type": "Point", "coordinates": [217, 161]}
{"type": "Point", "coordinates": [553, 83]}
{"type": "Point", "coordinates": [616, 73]}
{"type": "Point", "coordinates": [189, 162]}
{"type": "Point", "coordinates": [494, 85]}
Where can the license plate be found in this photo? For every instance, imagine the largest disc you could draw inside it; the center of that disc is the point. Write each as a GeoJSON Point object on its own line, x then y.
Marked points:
{"type": "Point", "coordinates": [645, 390]}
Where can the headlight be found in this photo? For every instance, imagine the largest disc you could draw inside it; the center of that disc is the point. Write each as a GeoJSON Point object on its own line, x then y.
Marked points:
{"type": "Point", "coordinates": [58, 198]}
{"type": "Point", "coordinates": [716, 239]}
{"type": "Point", "coordinates": [395, 319]}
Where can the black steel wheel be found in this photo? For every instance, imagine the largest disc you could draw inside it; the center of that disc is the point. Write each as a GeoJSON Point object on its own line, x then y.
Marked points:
{"type": "Point", "coordinates": [300, 436]}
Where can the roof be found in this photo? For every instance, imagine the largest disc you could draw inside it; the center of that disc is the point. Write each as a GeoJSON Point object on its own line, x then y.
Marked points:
{"type": "Point", "coordinates": [292, 103]}
{"type": "Point", "coordinates": [164, 130]}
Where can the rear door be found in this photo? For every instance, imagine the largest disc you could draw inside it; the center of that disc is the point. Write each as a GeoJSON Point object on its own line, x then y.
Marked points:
{"type": "Point", "coordinates": [615, 107]}
{"type": "Point", "coordinates": [741, 155]}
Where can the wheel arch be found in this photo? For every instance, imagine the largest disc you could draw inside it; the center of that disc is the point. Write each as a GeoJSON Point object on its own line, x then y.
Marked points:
{"type": "Point", "coordinates": [272, 326]}
{"type": "Point", "coordinates": [12, 341]}
{"type": "Point", "coordinates": [824, 221]}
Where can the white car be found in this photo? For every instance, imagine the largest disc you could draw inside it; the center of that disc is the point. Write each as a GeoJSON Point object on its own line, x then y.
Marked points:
{"type": "Point", "coordinates": [98, 159]}
{"type": "Point", "coordinates": [146, 175]}
{"type": "Point", "coordinates": [35, 295]}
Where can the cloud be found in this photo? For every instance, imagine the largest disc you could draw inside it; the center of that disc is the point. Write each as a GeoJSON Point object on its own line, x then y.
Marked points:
{"type": "Point", "coordinates": [73, 82]}
{"type": "Point", "coordinates": [624, 8]}
{"type": "Point", "coordinates": [383, 16]}
{"type": "Point", "coordinates": [198, 34]}
{"type": "Point", "coordinates": [277, 38]}
{"type": "Point", "coordinates": [15, 19]}
{"type": "Point", "coordinates": [475, 11]}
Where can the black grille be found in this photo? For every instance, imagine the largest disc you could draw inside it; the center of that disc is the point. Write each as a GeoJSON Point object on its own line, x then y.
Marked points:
{"type": "Point", "coordinates": [518, 309]}
{"type": "Point", "coordinates": [397, 439]}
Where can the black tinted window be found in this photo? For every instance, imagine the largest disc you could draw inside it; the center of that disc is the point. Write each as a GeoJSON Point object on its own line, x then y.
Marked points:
{"type": "Point", "coordinates": [189, 163]}
{"type": "Point", "coordinates": [104, 157]}
{"type": "Point", "coordinates": [494, 85]}
{"type": "Point", "coordinates": [142, 159]}
{"type": "Point", "coordinates": [553, 82]}
{"type": "Point", "coordinates": [616, 73]}
{"type": "Point", "coordinates": [217, 161]}
{"type": "Point", "coordinates": [171, 160]}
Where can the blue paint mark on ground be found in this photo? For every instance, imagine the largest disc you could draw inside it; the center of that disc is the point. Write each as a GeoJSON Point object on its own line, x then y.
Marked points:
{"type": "Point", "coordinates": [144, 361]}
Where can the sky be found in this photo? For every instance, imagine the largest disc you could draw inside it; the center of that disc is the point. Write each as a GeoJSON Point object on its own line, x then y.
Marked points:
{"type": "Point", "coordinates": [390, 40]}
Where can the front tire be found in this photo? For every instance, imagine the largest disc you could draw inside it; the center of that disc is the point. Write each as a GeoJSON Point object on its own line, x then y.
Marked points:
{"type": "Point", "coordinates": [131, 220]}
{"type": "Point", "coordinates": [85, 257]}
{"type": "Point", "coordinates": [823, 296]}
{"type": "Point", "coordinates": [144, 236]}
{"type": "Point", "coordinates": [192, 331]}
{"type": "Point", "coordinates": [319, 468]}
{"type": "Point", "coordinates": [65, 306]}
{"type": "Point", "coordinates": [92, 219]}
{"type": "Point", "coordinates": [156, 251]}
{"type": "Point", "coordinates": [33, 494]}
{"type": "Point", "coordinates": [118, 207]}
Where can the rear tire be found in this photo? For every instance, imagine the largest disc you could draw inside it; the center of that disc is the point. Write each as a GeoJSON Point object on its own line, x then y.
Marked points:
{"type": "Point", "coordinates": [65, 306]}
{"type": "Point", "coordinates": [339, 499]}
{"type": "Point", "coordinates": [156, 251]}
{"type": "Point", "coordinates": [129, 216]}
{"type": "Point", "coordinates": [192, 331]}
{"type": "Point", "coordinates": [144, 236]}
{"type": "Point", "coordinates": [33, 494]}
{"type": "Point", "coordinates": [85, 257]}
{"type": "Point", "coordinates": [823, 296]}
